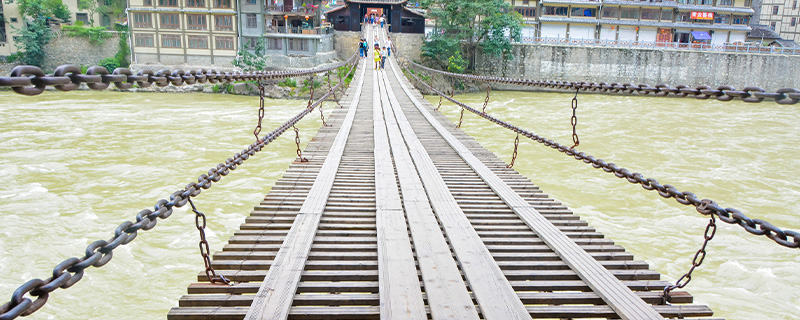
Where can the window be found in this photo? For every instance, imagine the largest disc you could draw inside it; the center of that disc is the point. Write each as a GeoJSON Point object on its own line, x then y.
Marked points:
{"type": "Point", "coordinates": [250, 43]}
{"type": "Point", "coordinates": [682, 16]}
{"type": "Point", "coordinates": [196, 21]}
{"type": "Point", "coordinates": [275, 44]}
{"type": "Point", "coordinates": [629, 13]}
{"type": "Point", "coordinates": [298, 45]}
{"type": "Point", "coordinates": [222, 3]}
{"type": "Point", "coordinates": [251, 20]}
{"type": "Point", "coordinates": [772, 25]}
{"type": "Point", "coordinates": [195, 3]}
{"type": "Point", "coordinates": [198, 42]}
{"type": "Point", "coordinates": [722, 18]}
{"type": "Point", "coordinates": [224, 43]}
{"type": "Point", "coordinates": [82, 17]}
{"type": "Point", "coordinates": [170, 20]}
{"type": "Point", "coordinates": [223, 23]}
{"type": "Point", "coordinates": [148, 3]}
{"type": "Point", "coordinates": [527, 12]}
{"type": "Point", "coordinates": [583, 12]}
{"type": "Point", "coordinates": [741, 20]}
{"type": "Point", "coordinates": [526, 2]}
{"type": "Point", "coordinates": [251, 1]}
{"type": "Point", "coordinates": [143, 40]}
{"type": "Point", "coordinates": [555, 11]}
{"type": "Point", "coordinates": [611, 12]}
{"type": "Point", "coordinates": [774, 9]}
{"type": "Point", "coordinates": [171, 41]}
{"type": "Point", "coordinates": [748, 3]}
{"type": "Point", "coordinates": [794, 5]}
{"type": "Point", "coordinates": [793, 22]}
{"type": "Point", "coordinates": [168, 3]}
{"type": "Point", "coordinates": [650, 14]}
{"type": "Point", "coordinates": [666, 15]}
{"type": "Point", "coordinates": [142, 20]}
{"type": "Point", "coordinates": [725, 3]}
{"type": "Point", "coordinates": [2, 26]}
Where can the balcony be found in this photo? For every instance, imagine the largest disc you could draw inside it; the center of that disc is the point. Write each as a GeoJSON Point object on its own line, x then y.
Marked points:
{"type": "Point", "coordinates": [299, 30]}
{"type": "Point", "coordinates": [279, 8]}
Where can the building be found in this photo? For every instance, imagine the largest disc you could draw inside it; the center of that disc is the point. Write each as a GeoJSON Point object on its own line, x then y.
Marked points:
{"type": "Point", "coordinates": [11, 20]}
{"type": "Point", "coordinates": [290, 33]}
{"type": "Point", "coordinates": [399, 18]}
{"type": "Point", "coordinates": [782, 16]}
{"type": "Point", "coordinates": [183, 32]}
{"type": "Point", "coordinates": [708, 21]}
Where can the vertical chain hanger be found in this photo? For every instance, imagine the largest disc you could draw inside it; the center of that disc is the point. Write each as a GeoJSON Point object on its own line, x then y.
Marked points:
{"type": "Point", "coordinates": [574, 121]}
{"type": "Point", "coordinates": [257, 131]}
{"type": "Point", "coordinates": [205, 251]}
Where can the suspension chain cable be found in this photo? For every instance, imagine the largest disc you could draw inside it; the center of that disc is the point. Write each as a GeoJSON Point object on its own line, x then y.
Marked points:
{"type": "Point", "coordinates": [711, 229]}
{"type": "Point", "coordinates": [574, 120]}
{"type": "Point", "coordinates": [297, 141]}
{"type": "Point", "coordinates": [786, 238]}
{"type": "Point", "coordinates": [460, 118]}
{"type": "Point", "coordinates": [205, 251]}
{"type": "Point", "coordinates": [100, 252]}
{"type": "Point", "coordinates": [486, 101]}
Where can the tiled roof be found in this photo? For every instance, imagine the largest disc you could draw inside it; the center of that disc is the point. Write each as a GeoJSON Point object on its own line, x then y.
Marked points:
{"type": "Point", "coordinates": [646, 23]}
{"type": "Point", "coordinates": [667, 4]}
{"type": "Point", "coordinates": [788, 43]}
{"type": "Point", "coordinates": [762, 31]}
{"type": "Point", "coordinates": [584, 2]}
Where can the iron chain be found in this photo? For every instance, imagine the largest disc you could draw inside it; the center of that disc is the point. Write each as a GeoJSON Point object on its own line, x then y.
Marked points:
{"type": "Point", "coordinates": [711, 230]}
{"type": "Point", "coordinates": [205, 251]}
{"type": "Point", "coordinates": [574, 121]}
{"type": "Point", "coordinates": [297, 141]}
{"type": "Point", "coordinates": [786, 238]}
{"type": "Point", "coordinates": [486, 101]}
{"type": "Point", "coordinates": [31, 80]}
{"type": "Point", "coordinates": [514, 155]}
{"type": "Point", "coordinates": [257, 131]}
{"type": "Point", "coordinates": [100, 252]}
{"type": "Point", "coordinates": [721, 93]}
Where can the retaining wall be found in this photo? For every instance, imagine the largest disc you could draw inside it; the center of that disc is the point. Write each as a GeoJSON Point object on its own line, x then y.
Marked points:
{"type": "Point", "coordinates": [647, 66]}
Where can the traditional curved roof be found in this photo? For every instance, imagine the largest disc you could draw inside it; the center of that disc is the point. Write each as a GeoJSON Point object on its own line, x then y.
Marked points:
{"type": "Point", "coordinates": [378, 1]}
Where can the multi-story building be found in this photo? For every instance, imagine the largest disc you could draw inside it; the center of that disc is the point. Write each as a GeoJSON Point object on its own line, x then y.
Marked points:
{"type": "Point", "coordinates": [783, 16]}
{"type": "Point", "coordinates": [714, 21]}
{"type": "Point", "coordinates": [11, 21]}
{"type": "Point", "coordinates": [290, 32]}
{"type": "Point", "coordinates": [183, 32]}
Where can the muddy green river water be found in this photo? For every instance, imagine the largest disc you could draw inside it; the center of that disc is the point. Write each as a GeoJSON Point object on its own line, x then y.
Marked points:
{"type": "Point", "coordinates": [75, 165]}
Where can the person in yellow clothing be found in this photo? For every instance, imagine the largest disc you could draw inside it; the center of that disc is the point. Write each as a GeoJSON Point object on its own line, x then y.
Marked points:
{"type": "Point", "coordinates": [377, 54]}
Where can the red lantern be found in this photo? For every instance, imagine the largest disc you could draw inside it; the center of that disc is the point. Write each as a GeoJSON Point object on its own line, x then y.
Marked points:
{"type": "Point", "coordinates": [306, 18]}
{"type": "Point", "coordinates": [286, 17]}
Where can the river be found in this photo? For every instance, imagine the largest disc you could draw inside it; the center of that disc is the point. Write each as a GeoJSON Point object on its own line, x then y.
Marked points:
{"type": "Point", "coordinates": [77, 164]}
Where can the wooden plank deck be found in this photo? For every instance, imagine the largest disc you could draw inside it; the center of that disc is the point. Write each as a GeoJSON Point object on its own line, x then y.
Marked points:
{"type": "Point", "coordinates": [399, 215]}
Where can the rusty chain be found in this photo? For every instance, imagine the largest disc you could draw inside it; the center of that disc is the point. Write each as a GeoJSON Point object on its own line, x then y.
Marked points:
{"type": "Point", "coordinates": [460, 118]}
{"type": "Point", "coordinates": [486, 101]}
{"type": "Point", "coordinates": [514, 155]}
{"type": "Point", "coordinates": [205, 251]}
{"type": "Point", "coordinates": [711, 230]}
{"type": "Point", "coordinates": [31, 80]}
{"type": "Point", "coordinates": [574, 121]}
{"type": "Point", "coordinates": [440, 104]}
{"type": "Point", "coordinates": [297, 141]}
{"type": "Point", "coordinates": [721, 93]}
{"type": "Point", "coordinates": [786, 238]}
{"type": "Point", "coordinates": [257, 131]}
{"type": "Point", "coordinates": [100, 252]}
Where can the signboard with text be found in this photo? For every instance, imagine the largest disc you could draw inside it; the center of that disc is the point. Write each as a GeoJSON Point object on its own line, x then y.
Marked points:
{"type": "Point", "coordinates": [700, 15]}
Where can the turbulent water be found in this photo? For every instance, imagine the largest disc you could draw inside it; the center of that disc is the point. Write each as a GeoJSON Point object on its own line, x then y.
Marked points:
{"type": "Point", "coordinates": [741, 155]}
{"type": "Point", "coordinates": [75, 165]}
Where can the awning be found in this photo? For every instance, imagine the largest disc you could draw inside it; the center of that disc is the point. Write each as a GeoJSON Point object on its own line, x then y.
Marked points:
{"type": "Point", "coordinates": [701, 35]}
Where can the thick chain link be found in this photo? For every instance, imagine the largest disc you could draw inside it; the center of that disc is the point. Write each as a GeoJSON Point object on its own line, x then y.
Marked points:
{"type": "Point", "coordinates": [460, 118]}
{"type": "Point", "coordinates": [786, 238]}
{"type": "Point", "coordinates": [297, 141]}
{"type": "Point", "coordinates": [514, 155]}
{"type": "Point", "coordinates": [205, 251]}
{"type": "Point", "coordinates": [261, 90]}
{"type": "Point", "coordinates": [574, 121]}
{"type": "Point", "coordinates": [486, 101]}
{"type": "Point", "coordinates": [711, 230]}
{"type": "Point", "coordinates": [31, 80]}
{"type": "Point", "coordinates": [100, 252]}
{"type": "Point", "coordinates": [721, 93]}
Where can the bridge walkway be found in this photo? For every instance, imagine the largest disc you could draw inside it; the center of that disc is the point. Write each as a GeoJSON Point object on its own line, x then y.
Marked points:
{"type": "Point", "coordinates": [398, 214]}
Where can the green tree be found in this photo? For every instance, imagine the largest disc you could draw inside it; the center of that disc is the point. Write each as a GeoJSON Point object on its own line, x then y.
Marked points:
{"type": "Point", "coordinates": [32, 39]}
{"type": "Point", "coordinates": [58, 9]}
{"type": "Point", "coordinates": [488, 24]}
{"type": "Point", "coordinates": [91, 7]}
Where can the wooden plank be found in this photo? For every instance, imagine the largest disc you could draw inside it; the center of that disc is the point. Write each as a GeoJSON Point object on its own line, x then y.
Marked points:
{"type": "Point", "coordinates": [495, 296]}
{"type": "Point", "coordinates": [400, 294]}
{"type": "Point", "coordinates": [621, 299]}
{"type": "Point", "coordinates": [274, 298]}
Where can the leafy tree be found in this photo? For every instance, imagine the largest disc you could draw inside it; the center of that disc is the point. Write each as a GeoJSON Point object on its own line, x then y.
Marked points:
{"type": "Point", "coordinates": [109, 63]}
{"type": "Point", "coordinates": [124, 50]}
{"type": "Point", "coordinates": [32, 39]}
{"type": "Point", "coordinates": [91, 7]}
{"type": "Point", "coordinates": [114, 8]}
{"type": "Point", "coordinates": [488, 24]}
{"type": "Point", "coordinates": [58, 9]}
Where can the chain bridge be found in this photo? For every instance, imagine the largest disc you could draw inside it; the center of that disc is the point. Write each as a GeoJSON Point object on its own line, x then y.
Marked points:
{"type": "Point", "coordinates": [393, 212]}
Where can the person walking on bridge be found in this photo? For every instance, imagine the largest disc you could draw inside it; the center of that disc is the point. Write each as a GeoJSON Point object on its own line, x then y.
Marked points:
{"type": "Point", "coordinates": [377, 54]}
